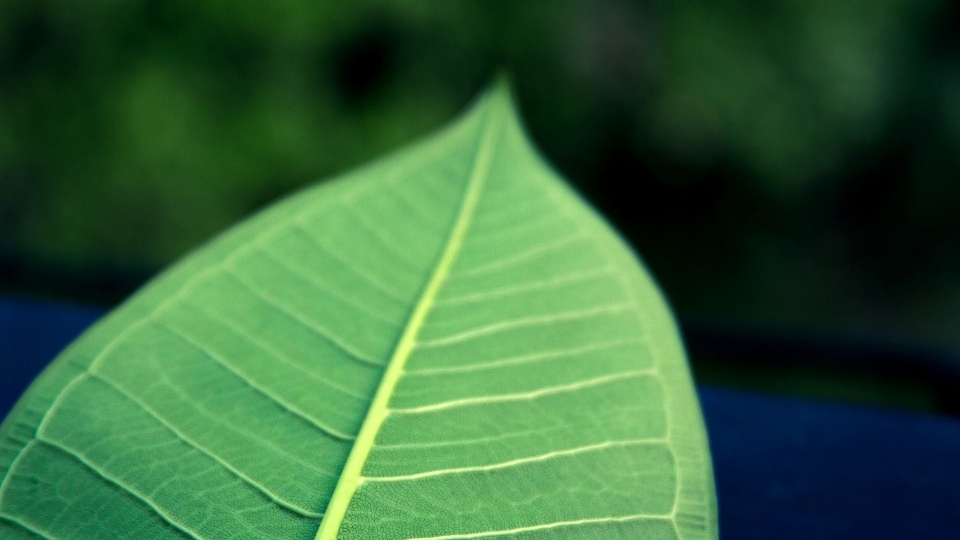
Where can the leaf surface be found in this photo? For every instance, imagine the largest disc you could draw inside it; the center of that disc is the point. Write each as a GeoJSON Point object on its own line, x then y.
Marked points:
{"type": "Point", "coordinates": [444, 344]}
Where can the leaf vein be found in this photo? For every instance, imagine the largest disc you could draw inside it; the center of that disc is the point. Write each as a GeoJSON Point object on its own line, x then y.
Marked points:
{"type": "Point", "coordinates": [296, 270]}
{"type": "Point", "coordinates": [260, 344]}
{"type": "Point", "coordinates": [389, 244]}
{"type": "Point", "coordinates": [511, 260]}
{"type": "Point", "coordinates": [525, 287]}
{"type": "Point", "coordinates": [524, 396]}
{"type": "Point", "coordinates": [122, 485]}
{"type": "Point", "coordinates": [16, 522]}
{"type": "Point", "coordinates": [522, 322]}
{"type": "Point", "coordinates": [349, 480]}
{"type": "Point", "coordinates": [210, 453]}
{"type": "Point", "coordinates": [546, 526]}
{"type": "Point", "coordinates": [319, 330]}
{"type": "Point", "coordinates": [522, 359]}
{"type": "Point", "coordinates": [514, 462]}
{"type": "Point", "coordinates": [330, 431]}
{"type": "Point", "coordinates": [350, 265]}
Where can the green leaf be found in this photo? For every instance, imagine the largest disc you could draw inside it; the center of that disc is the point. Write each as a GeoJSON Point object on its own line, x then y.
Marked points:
{"type": "Point", "coordinates": [445, 344]}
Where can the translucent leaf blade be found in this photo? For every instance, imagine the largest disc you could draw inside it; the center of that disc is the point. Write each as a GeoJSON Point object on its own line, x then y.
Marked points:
{"type": "Point", "coordinates": [445, 344]}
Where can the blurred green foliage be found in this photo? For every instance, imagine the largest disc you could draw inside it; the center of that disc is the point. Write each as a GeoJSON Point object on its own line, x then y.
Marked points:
{"type": "Point", "coordinates": [793, 160]}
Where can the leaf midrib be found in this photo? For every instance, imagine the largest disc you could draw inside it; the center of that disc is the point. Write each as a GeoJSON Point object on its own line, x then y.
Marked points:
{"type": "Point", "coordinates": [351, 479]}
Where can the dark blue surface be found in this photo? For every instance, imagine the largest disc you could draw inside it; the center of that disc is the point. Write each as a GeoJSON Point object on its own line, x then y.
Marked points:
{"type": "Point", "coordinates": [31, 334]}
{"type": "Point", "coordinates": [785, 468]}
{"type": "Point", "coordinates": [791, 469]}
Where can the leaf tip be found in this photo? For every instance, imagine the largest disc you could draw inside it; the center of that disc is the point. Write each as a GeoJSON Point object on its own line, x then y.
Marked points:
{"type": "Point", "coordinates": [502, 80]}
{"type": "Point", "coordinates": [500, 89]}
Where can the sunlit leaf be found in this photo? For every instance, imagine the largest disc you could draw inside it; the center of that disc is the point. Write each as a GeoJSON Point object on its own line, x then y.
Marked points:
{"type": "Point", "coordinates": [445, 344]}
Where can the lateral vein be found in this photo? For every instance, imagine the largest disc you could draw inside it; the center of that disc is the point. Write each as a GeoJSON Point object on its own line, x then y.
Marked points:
{"type": "Point", "coordinates": [189, 441]}
{"type": "Point", "coordinates": [525, 287]}
{"type": "Point", "coordinates": [522, 322]}
{"type": "Point", "coordinates": [324, 333]}
{"type": "Point", "coordinates": [544, 526]}
{"type": "Point", "coordinates": [551, 354]}
{"type": "Point", "coordinates": [146, 500]}
{"type": "Point", "coordinates": [524, 396]}
{"type": "Point", "coordinates": [25, 526]}
{"type": "Point", "coordinates": [515, 462]}
{"type": "Point", "coordinates": [252, 383]}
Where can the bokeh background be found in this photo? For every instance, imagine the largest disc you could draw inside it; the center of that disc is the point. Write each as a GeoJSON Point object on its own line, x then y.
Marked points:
{"type": "Point", "coordinates": [788, 169]}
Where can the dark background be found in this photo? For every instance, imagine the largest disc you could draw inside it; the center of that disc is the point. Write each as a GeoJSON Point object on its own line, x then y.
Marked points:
{"type": "Point", "coordinates": [787, 168]}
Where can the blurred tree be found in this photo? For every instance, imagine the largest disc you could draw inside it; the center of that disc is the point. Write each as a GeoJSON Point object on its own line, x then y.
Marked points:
{"type": "Point", "coordinates": [793, 160]}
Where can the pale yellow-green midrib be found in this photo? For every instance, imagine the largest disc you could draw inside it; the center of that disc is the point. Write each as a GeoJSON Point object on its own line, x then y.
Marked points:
{"type": "Point", "coordinates": [350, 478]}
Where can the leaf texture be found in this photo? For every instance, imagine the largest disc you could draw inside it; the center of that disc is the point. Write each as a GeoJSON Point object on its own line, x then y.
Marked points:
{"type": "Point", "coordinates": [446, 344]}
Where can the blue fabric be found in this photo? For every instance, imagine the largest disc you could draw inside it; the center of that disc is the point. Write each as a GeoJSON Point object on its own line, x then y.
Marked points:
{"type": "Point", "coordinates": [791, 469]}
{"type": "Point", "coordinates": [785, 468]}
{"type": "Point", "coordinates": [31, 334]}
